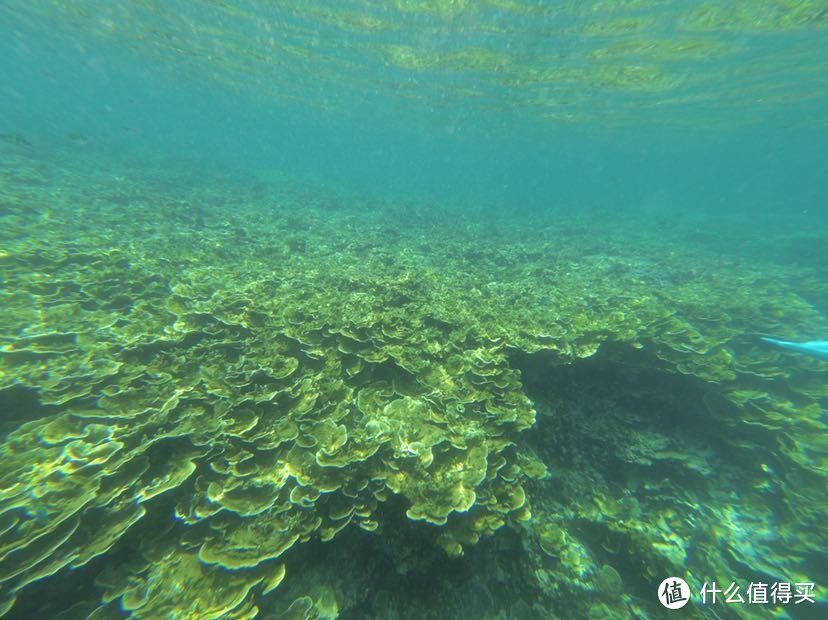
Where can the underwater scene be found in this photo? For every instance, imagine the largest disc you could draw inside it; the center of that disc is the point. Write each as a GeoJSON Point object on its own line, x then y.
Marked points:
{"type": "Point", "coordinates": [413, 309]}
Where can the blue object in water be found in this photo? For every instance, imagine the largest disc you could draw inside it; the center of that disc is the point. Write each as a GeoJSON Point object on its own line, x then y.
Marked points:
{"type": "Point", "coordinates": [814, 348]}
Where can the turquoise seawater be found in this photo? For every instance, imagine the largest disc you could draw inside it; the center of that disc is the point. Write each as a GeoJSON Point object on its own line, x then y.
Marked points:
{"type": "Point", "coordinates": [413, 309]}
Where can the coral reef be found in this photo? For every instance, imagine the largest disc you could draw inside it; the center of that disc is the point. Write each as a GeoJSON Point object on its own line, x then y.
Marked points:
{"type": "Point", "coordinates": [191, 398]}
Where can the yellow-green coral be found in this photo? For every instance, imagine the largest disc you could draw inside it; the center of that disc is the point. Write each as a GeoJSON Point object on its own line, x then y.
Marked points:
{"type": "Point", "coordinates": [252, 406]}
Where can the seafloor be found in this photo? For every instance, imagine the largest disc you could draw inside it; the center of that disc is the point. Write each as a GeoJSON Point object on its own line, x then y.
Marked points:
{"type": "Point", "coordinates": [221, 399]}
